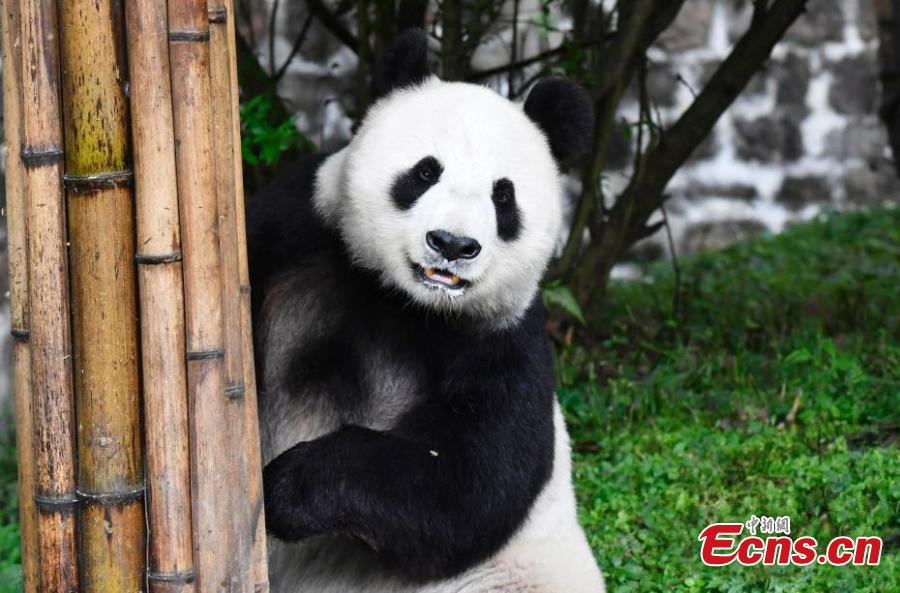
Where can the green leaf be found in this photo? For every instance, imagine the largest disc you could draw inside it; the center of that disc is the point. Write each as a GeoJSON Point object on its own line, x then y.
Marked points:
{"type": "Point", "coordinates": [559, 295]}
{"type": "Point", "coordinates": [264, 137]}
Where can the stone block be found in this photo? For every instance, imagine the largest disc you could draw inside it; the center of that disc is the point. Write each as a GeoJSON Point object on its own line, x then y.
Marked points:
{"type": "Point", "coordinates": [798, 192]}
{"type": "Point", "coordinates": [854, 90]}
{"type": "Point", "coordinates": [768, 139]}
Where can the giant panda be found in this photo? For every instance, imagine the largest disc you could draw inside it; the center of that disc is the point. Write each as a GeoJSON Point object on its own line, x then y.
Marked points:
{"type": "Point", "coordinates": [410, 433]}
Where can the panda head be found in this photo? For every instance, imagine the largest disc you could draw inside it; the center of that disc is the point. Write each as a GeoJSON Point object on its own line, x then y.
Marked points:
{"type": "Point", "coordinates": [452, 193]}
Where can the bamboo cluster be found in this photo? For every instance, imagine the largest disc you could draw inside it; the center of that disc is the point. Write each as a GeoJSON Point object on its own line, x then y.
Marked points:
{"type": "Point", "coordinates": [135, 394]}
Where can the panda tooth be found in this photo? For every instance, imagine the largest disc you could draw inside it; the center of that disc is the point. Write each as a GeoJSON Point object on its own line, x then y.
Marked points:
{"type": "Point", "coordinates": [442, 277]}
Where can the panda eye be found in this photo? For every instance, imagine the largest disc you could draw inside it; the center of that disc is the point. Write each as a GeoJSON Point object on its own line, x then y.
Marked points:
{"type": "Point", "coordinates": [428, 170]}
{"type": "Point", "coordinates": [504, 192]}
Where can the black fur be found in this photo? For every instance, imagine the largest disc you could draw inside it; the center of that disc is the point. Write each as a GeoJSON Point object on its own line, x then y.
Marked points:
{"type": "Point", "coordinates": [451, 482]}
{"type": "Point", "coordinates": [563, 112]}
{"type": "Point", "coordinates": [280, 224]}
{"type": "Point", "coordinates": [509, 220]}
{"type": "Point", "coordinates": [404, 63]}
{"type": "Point", "coordinates": [410, 185]}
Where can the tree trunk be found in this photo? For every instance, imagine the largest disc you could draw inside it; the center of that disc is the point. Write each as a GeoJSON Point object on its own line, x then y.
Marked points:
{"type": "Point", "coordinates": [889, 56]}
{"type": "Point", "coordinates": [452, 54]}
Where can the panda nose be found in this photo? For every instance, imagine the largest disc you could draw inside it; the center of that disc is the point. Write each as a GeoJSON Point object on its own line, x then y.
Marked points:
{"type": "Point", "coordinates": [452, 246]}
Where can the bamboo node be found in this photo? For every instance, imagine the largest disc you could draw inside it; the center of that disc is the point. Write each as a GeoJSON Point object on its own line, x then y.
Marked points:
{"type": "Point", "coordinates": [205, 354]}
{"type": "Point", "coordinates": [33, 157]}
{"type": "Point", "coordinates": [235, 391]}
{"type": "Point", "coordinates": [91, 183]}
{"type": "Point", "coordinates": [55, 504]}
{"type": "Point", "coordinates": [155, 260]}
{"type": "Point", "coordinates": [111, 497]}
{"type": "Point", "coordinates": [185, 576]}
{"type": "Point", "coordinates": [189, 36]}
{"type": "Point", "coordinates": [218, 15]}
{"type": "Point", "coordinates": [20, 335]}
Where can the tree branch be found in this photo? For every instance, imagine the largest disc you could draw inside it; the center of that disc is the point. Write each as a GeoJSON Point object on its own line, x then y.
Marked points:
{"type": "Point", "coordinates": [333, 24]}
{"type": "Point", "coordinates": [630, 32]}
{"type": "Point", "coordinates": [451, 39]}
{"type": "Point", "coordinates": [294, 49]}
{"type": "Point", "coordinates": [644, 194]}
{"type": "Point", "coordinates": [730, 78]}
{"type": "Point", "coordinates": [272, 27]}
{"type": "Point", "coordinates": [482, 74]}
{"type": "Point", "coordinates": [514, 47]}
{"type": "Point", "coordinates": [646, 25]}
{"type": "Point", "coordinates": [364, 66]}
{"type": "Point", "coordinates": [411, 13]}
{"type": "Point", "coordinates": [247, 15]}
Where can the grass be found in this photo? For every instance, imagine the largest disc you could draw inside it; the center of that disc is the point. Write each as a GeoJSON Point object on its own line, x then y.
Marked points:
{"type": "Point", "coordinates": [770, 386]}
{"type": "Point", "coordinates": [10, 564]}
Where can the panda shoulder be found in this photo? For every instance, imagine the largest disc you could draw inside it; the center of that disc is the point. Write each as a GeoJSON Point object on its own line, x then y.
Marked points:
{"type": "Point", "coordinates": [282, 223]}
{"type": "Point", "coordinates": [287, 199]}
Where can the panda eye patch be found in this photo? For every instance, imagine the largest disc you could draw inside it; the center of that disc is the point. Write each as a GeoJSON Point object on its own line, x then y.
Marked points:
{"type": "Point", "coordinates": [411, 184]}
{"type": "Point", "coordinates": [504, 191]}
{"type": "Point", "coordinates": [509, 219]}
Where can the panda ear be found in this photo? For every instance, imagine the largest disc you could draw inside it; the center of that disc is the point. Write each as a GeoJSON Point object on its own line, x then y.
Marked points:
{"type": "Point", "coordinates": [562, 111]}
{"type": "Point", "coordinates": [404, 63]}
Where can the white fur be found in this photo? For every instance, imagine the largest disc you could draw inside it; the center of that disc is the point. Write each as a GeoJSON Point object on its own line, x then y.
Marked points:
{"type": "Point", "coordinates": [478, 137]}
{"type": "Point", "coordinates": [549, 554]}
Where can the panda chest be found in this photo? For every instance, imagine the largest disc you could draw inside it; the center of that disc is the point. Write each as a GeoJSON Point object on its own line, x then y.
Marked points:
{"type": "Point", "coordinates": [330, 362]}
{"type": "Point", "coordinates": [353, 379]}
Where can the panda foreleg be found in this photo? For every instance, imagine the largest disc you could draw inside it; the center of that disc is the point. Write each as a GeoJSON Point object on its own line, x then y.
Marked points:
{"type": "Point", "coordinates": [429, 509]}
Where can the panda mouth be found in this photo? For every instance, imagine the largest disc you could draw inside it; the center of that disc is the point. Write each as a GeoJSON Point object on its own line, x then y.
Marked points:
{"type": "Point", "coordinates": [440, 278]}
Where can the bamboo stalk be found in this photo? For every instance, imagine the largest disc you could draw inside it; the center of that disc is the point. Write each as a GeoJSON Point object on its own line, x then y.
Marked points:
{"type": "Point", "coordinates": [104, 308]}
{"type": "Point", "coordinates": [259, 558]}
{"type": "Point", "coordinates": [214, 525]}
{"type": "Point", "coordinates": [170, 557]}
{"type": "Point", "coordinates": [223, 134]}
{"type": "Point", "coordinates": [18, 290]}
{"type": "Point", "coordinates": [54, 442]}
{"type": "Point", "coordinates": [223, 87]}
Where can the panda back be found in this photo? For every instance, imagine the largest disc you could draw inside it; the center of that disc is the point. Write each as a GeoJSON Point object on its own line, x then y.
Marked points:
{"type": "Point", "coordinates": [282, 224]}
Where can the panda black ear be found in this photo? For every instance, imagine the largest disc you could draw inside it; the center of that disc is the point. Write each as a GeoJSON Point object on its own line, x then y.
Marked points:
{"type": "Point", "coordinates": [404, 63]}
{"type": "Point", "coordinates": [562, 110]}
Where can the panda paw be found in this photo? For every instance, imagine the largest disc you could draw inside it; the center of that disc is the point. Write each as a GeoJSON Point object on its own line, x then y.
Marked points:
{"type": "Point", "coordinates": [296, 507]}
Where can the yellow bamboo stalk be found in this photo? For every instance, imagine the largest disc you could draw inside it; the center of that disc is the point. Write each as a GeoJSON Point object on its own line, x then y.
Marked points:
{"type": "Point", "coordinates": [170, 557]}
{"type": "Point", "coordinates": [18, 290]}
{"type": "Point", "coordinates": [104, 308]}
{"type": "Point", "coordinates": [51, 371]}
{"type": "Point", "coordinates": [259, 558]}
{"type": "Point", "coordinates": [214, 526]}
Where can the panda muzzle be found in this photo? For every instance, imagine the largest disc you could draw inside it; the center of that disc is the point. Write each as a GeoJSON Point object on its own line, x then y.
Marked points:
{"type": "Point", "coordinates": [440, 278]}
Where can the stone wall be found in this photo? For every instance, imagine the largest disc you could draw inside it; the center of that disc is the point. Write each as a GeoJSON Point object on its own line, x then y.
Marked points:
{"type": "Point", "coordinates": [804, 136]}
